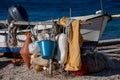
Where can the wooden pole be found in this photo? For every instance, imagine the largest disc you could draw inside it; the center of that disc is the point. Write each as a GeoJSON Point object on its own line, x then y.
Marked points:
{"type": "Point", "coordinates": [111, 50]}
{"type": "Point", "coordinates": [50, 67]}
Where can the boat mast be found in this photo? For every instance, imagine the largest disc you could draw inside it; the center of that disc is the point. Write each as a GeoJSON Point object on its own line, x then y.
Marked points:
{"type": "Point", "coordinates": [70, 13]}
{"type": "Point", "coordinates": [101, 5]}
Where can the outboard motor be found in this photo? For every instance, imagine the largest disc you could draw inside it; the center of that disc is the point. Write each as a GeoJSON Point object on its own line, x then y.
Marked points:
{"type": "Point", "coordinates": [17, 13]}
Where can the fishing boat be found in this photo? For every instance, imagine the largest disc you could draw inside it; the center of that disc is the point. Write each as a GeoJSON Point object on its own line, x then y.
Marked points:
{"type": "Point", "coordinates": [92, 27]}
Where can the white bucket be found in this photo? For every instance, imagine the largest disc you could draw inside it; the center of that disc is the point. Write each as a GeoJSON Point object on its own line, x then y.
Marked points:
{"type": "Point", "coordinates": [33, 47]}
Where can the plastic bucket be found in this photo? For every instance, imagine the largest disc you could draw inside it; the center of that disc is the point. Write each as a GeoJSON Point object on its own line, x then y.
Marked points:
{"type": "Point", "coordinates": [33, 47]}
{"type": "Point", "coordinates": [47, 48]}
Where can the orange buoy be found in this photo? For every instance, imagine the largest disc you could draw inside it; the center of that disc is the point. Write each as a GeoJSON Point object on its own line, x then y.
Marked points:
{"type": "Point", "coordinates": [25, 51]}
{"type": "Point", "coordinates": [16, 60]}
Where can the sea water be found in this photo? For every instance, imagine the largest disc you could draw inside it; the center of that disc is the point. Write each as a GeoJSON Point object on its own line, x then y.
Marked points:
{"type": "Point", "coordinates": [47, 9]}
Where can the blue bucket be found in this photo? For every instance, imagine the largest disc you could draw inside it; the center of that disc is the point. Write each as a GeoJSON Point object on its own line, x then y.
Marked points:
{"type": "Point", "coordinates": [47, 48]}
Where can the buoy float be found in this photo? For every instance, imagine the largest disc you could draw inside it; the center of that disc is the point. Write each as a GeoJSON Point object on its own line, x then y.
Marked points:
{"type": "Point", "coordinates": [38, 68]}
{"type": "Point", "coordinates": [62, 48]}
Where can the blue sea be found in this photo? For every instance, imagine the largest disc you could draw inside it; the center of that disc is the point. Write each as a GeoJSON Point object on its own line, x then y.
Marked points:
{"type": "Point", "coordinates": [45, 9]}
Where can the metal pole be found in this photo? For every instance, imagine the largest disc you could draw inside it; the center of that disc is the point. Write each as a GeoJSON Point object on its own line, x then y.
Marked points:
{"type": "Point", "coordinates": [101, 5]}
{"type": "Point", "coordinates": [70, 13]}
{"type": "Point", "coordinates": [50, 67]}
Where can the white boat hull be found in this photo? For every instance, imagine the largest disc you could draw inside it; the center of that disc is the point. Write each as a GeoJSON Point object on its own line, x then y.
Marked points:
{"type": "Point", "coordinates": [91, 32]}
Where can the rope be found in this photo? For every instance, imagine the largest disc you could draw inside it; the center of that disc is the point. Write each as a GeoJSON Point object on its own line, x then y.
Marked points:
{"type": "Point", "coordinates": [68, 28]}
{"type": "Point", "coordinates": [12, 40]}
{"type": "Point", "coordinates": [34, 33]}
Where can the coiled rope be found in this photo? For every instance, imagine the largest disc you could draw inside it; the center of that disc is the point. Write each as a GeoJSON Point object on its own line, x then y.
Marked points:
{"type": "Point", "coordinates": [12, 40]}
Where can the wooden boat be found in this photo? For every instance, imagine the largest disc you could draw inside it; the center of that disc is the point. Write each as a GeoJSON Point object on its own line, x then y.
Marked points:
{"type": "Point", "coordinates": [92, 29]}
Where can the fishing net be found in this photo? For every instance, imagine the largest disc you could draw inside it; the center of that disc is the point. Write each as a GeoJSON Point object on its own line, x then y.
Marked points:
{"type": "Point", "coordinates": [96, 62]}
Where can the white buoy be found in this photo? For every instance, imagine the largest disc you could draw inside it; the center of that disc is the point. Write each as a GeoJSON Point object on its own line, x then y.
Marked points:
{"type": "Point", "coordinates": [62, 48]}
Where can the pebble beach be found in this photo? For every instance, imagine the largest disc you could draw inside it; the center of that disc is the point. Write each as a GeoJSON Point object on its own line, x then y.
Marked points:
{"type": "Point", "coordinates": [11, 71]}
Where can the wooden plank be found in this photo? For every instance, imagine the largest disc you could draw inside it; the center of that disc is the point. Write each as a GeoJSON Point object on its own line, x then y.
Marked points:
{"type": "Point", "coordinates": [3, 22]}
{"type": "Point", "coordinates": [32, 23]}
{"type": "Point", "coordinates": [109, 42]}
{"type": "Point", "coordinates": [27, 22]}
{"type": "Point", "coordinates": [37, 22]}
{"type": "Point", "coordinates": [115, 16]}
{"type": "Point", "coordinates": [111, 50]}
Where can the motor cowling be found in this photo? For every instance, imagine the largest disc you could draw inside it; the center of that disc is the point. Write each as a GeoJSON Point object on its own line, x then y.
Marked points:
{"type": "Point", "coordinates": [17, 13]}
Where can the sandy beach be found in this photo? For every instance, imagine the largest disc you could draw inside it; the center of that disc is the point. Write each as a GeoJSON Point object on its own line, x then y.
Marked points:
{"type": "Point", "coordinates": [10, 71]}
